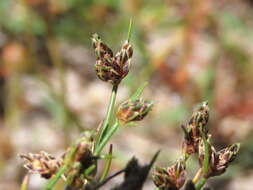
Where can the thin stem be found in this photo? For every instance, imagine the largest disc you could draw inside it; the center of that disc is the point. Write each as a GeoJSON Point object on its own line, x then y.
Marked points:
{"type": "Point", "coordinates": [200, 184]}
{"type": "Point", "coordinates": [129, 30]}
{"type": "Point", "coordinates": [197, 176]}
{"type": "Point", "coordinates": [107, 165]}
{"type": "Point", "coordinates": [109, 178]}
{"type": "Point", "coordinates": [108, 114]}
{"type": "Point", "coordinates": [107, 137]}
{"type": "Point", "coordinates": [89, 170]}
{"type": "Point", "coordinates": [206, 157]}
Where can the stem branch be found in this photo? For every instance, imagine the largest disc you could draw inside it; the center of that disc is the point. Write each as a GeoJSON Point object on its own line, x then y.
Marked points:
{"type": "Point", "coordinates": [107, 137]}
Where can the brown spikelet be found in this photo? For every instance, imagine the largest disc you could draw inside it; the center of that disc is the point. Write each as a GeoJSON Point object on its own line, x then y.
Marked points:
{"type": "Point", "coordinates": [42, 163]}
{"type": "Point", "coordinates": [111, 68]}
{"type": "Point", "coordinates": [218, 161]}
{"type": "Point", "coordinates": [195, 128]}
{"type": "Point", "coordinates": [134, 110]}
{"type": "Point", "coordinates": [172, 178]}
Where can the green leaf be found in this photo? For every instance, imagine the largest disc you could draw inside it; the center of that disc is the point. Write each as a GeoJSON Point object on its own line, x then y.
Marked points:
{"type": "Point", "coordinates": [138, 92]}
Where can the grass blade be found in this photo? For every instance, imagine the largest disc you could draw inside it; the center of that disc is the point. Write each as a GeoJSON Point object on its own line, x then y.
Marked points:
{"type": "Point", "coordinates": [138, 92]}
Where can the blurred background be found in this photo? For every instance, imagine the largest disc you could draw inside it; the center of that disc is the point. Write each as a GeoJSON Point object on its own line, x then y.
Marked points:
{"type": "Point", "coordinates": [189, 51]}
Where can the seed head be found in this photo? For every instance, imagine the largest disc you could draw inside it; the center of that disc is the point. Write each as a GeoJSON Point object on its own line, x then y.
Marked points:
{"type": "Point", "coordinates": [225, 157]}
{"type": "Point", "coordinates": [111, 68]}
{"type": "Point", "coordinates": [195, 128]}
{"type": "Point", "coordinates": [172, 178]}
{"type": "Point", "coordinates": [42, 163]}
{"type": "Point", "coordinates": [134, 110]}
{"type": "Point", "coordinates": [199, 120]}
{"type": "Point", "coordinates": [101, 49]}
{"type": "Point", "coordinates": [218, 161]}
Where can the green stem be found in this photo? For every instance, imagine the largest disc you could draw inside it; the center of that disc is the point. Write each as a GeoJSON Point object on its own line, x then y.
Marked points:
{"type": "Point", "coordinates": [200, 184]}
{"type": "Point", "coordinates": [54, 180]}
{"type": "Point", "coordinates": [206, 157]}
{"type": "Point", "coordinates": [157, 188]}
{"type": "Point", "coordinates": [130, 30]}
{"type": "Point", "coordinates": [108, 114]}
{"type": "Point", "coordinates": [107, 165]}
{"type": "Point", "coordinates": [106, 138]}
{"type": "Point", "coordinates": [89, 170]}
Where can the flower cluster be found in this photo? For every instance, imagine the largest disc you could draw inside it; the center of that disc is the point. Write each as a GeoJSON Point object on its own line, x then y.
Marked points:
{"type": "Point", "coordinates": [195, 128]}
{"type": "Point", "coordinates": [171, 178]}
{"type": "Point", "coordinates": [110, 68]}
{"type": "Point", "coordinates": [196, 140]}
{"type": "Point", "coordinates": [134, 110]}
{"type": "Point", "coordinates": [78, 165]}
{"type": "Point", "coordinates": [47, 166]}
{"type": "Point", "coordinates": [43, 163]}
{"type": "Point", "coordinates": [218, 161]}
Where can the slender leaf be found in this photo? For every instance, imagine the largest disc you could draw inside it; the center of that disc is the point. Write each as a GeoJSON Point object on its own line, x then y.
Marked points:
{"type": "Point", "coordinates": [138, 92]}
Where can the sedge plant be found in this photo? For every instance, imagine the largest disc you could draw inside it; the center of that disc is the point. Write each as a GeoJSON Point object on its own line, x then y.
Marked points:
{"type": "Point", "coordinates": [78, 165]}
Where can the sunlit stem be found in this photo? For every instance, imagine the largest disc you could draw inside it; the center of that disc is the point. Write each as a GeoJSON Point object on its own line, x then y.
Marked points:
{"type": "Point", "coordinates": [197, 176]}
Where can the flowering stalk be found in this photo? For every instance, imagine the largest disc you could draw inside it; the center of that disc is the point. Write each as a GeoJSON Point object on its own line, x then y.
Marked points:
{"type": "Point", "coordinates": [109, 113]}
{"type": "Point", "coordinates": [111, 69]}
{"type": "Point", "coordinates": [139, 110]}
{"type": "Point", "coordinates": [197, 141]}
{"type": "Point", "coordinates": [79, 164]}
